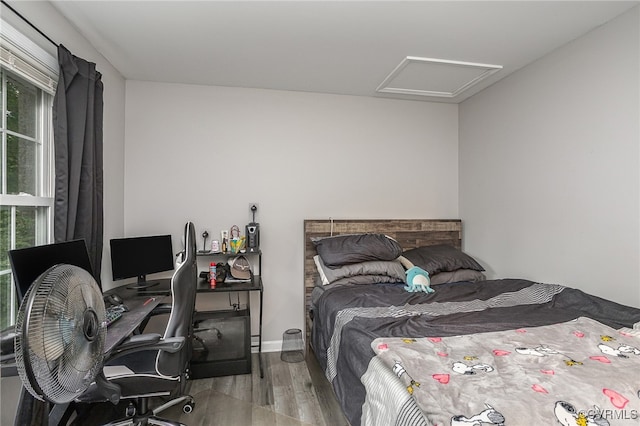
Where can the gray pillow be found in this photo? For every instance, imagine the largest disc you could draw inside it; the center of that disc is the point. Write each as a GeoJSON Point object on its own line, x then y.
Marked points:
{"type": "Point", "coordinates": [368, 279]}
{"type": "Point", "coordinates": [441, 258]}
{"type": "Point", "coordinates": [386, 271]}
{"type": "Point", "coordinates": [346, 249]}
{"type": "Point", "coordinates": [459, 275]}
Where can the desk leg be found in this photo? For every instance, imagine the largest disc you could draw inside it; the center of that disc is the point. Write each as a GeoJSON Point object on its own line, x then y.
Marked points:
{"type": "Point", "coordinates": [259, 335]}
{"type": "Point", "coordinates": [260, 338]}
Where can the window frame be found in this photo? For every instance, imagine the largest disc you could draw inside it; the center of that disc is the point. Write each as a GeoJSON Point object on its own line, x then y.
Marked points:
{"type": "Point", "coordinates": [33, 69]}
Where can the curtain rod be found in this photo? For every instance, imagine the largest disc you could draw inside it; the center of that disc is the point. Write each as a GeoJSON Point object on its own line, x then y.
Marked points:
{"type": "Point", "coordinates": [29, 22]}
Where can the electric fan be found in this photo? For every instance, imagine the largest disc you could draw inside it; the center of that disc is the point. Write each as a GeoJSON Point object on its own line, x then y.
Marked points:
{"type": "Point", "coordinates": [60, 334]}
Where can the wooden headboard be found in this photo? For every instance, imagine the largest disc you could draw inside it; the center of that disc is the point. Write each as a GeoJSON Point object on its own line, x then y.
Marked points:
{"type": "Point", "coordinates": [410, 233]}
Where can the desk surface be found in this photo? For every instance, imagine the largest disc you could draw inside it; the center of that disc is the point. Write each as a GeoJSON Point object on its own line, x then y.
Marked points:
{"type": "Point", "coordinates": [163, 288]}
{"type": "Point", "coordinates": [139, 308]}
{"type": "Point", "coordinates": [142, 301]}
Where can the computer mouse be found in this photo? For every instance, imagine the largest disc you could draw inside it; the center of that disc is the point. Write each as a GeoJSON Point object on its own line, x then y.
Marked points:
{"type": "Point", "coordinates": [113, 299]}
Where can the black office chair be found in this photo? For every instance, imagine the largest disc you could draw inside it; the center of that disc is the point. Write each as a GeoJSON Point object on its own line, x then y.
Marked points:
{"type": "Point", "coordinates": [148, 373]}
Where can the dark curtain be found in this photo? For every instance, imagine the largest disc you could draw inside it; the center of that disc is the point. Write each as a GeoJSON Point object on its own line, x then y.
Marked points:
{"type": "Point", "coordinates": [77, 129]}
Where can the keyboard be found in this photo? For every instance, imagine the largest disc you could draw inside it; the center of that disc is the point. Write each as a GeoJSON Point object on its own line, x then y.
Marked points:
{"type": "Point", "coordinates": [113, 314]}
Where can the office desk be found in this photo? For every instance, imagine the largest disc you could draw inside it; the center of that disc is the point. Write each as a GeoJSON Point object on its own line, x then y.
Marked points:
{"type": "Point", "coordinates": [139, 308]}
{"type": "Point", "coordinates": [163, 289]}
{"type": "Point", "coordinates": [140, 303]}
{"type": "Point", "coordinates": [24, 406]}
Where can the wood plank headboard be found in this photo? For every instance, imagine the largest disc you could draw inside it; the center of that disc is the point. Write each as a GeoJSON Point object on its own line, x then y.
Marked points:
{"type": "Point", "coordinates": [410, 233]}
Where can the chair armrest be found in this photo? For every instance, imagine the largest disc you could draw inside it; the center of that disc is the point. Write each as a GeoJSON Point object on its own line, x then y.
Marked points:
{"type": "Point", "coordinates": [139, 340]}
{"type": "Point", "coordinates": [8, 366]}
{"type": "Point", "coordinates": [7, 337]}
{"type": "Point", "coordinates": [163, 308]}
{"type": "Point", "coordinates": [147, 342]}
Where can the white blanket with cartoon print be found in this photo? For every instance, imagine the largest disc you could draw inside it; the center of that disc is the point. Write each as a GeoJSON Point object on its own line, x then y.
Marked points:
{"type": "Point", "coordinates": [579, 372]}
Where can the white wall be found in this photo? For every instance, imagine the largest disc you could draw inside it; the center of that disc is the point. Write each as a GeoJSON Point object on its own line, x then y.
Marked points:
{"type": "Point", "coordinates": [549, 167]}
{"type": "Point", "coordinates": [204, 153]}
{"type": "Point", "coordinates": [45, 17]}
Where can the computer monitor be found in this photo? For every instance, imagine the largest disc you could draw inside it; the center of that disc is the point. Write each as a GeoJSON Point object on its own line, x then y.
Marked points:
{"type": "Point", "coordinates": [140, 256]}
{"type": "Point", "coordinates": [29, 263]}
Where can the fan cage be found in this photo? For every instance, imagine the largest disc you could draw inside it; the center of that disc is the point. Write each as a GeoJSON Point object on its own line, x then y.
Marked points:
{"type": "Point", "coordinates": [60, 334]}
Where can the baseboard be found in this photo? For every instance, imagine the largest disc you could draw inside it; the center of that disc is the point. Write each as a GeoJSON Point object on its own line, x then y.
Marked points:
{"type": "Point", "coordinates": [271, 345]}
{"type": "Point", "coordinates": [267, 346]}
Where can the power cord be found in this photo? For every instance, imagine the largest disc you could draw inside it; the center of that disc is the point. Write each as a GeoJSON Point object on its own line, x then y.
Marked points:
{"type": "Point", "coordinates": [235, 306]}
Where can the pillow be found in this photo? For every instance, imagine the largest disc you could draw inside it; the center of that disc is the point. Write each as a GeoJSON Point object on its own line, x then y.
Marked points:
{"type": "Point", "coordinates": [388, 271]}
{"type": "Point", "coordinates": [368, 279]}
{"type": "Point", "coordinates": [441, 258]}
{"type": "Point", "coordinates": [470, 275]}
{"type": "Point", "coordinates": [319, 267]}
{"type": "Point", "coordinates": [347, 249]}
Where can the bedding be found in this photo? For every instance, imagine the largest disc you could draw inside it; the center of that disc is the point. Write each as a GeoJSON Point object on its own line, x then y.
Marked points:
{"type": "Point", "coordinates": [530, 372]}
{"type": "Point", "coordinates": [395, 357]}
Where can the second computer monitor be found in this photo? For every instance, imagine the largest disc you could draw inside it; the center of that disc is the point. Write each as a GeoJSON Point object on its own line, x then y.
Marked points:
{"type": "Point", "coordinates": [140, 256]}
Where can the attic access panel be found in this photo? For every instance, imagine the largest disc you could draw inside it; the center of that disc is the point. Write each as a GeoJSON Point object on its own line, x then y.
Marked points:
{"type": "Point", "coordinates": [435, 77]}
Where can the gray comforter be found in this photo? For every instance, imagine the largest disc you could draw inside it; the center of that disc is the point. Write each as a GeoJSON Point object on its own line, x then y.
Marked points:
{"type": "Point", "coordinates": [347, 320]}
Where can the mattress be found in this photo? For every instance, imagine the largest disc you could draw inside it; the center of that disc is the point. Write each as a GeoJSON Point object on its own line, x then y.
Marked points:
{"type": "Point", "coordinates": [490, 352]}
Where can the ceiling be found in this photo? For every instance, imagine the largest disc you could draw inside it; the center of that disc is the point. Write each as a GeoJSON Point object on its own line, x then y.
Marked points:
{"type": "Point", "coordinates": [336, 47]}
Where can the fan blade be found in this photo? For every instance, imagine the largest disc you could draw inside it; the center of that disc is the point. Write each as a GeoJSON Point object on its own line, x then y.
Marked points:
{"type": "Point", "coordinates": [87, 292]}
{"type": "Point", "coordinates": [84, 352]}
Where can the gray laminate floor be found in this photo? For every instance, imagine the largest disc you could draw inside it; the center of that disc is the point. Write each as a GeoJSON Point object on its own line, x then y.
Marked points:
{"type": "Point", "coordinates": [290, 394]}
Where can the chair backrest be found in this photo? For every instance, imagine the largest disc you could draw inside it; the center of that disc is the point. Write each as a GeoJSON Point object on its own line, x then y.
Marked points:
{"type": "Point", "coordinates": [183, 293]}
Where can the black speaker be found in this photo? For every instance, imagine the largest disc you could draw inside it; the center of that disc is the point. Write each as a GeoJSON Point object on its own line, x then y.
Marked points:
{"type": "Point", "coordinates": [253, 237]}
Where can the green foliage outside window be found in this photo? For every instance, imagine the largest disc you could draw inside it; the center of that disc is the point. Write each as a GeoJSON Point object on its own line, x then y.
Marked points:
{"type": "Point", "coordinates": [22, 175]}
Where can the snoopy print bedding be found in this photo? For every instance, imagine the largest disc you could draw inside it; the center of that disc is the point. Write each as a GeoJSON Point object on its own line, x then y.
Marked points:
{"type": "Point", "coordinates": [500, 321]}
{"type": "Point", "coordinates": [580, 372]}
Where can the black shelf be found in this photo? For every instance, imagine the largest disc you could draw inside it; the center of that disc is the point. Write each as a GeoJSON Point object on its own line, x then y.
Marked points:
{"type": "Point", "coordinates": [254, 285]}
{"type": "Point", "coordinates": [208, 368]}
{"type": "Point", "coordinates": [227, 254]}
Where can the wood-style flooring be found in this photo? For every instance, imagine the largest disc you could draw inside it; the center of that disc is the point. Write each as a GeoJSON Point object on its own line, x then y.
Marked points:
{"type": "Point", "coordinates": [290, 394]}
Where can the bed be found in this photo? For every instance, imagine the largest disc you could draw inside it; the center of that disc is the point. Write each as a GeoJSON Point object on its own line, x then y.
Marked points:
{"type": "Point", "coordinates": [474, 351]}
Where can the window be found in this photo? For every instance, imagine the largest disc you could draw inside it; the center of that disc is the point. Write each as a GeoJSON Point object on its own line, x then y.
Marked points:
{"type": "Point", "coordinates": [26, 196]}
{"type": "Point", "coordinates": [26, 156]}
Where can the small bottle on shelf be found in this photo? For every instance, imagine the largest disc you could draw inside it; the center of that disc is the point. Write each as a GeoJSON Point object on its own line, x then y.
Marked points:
{"type": "Point", "coordinates": [212, 275]}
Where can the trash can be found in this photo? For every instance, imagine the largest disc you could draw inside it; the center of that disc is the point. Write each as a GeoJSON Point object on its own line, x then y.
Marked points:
{"type": "Point", "coordinates": [292, 346]}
